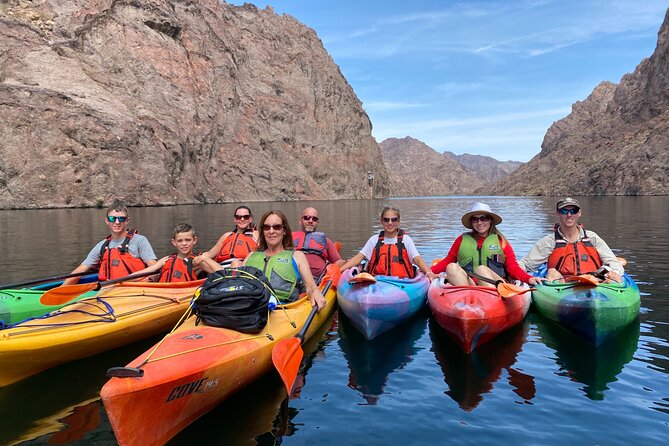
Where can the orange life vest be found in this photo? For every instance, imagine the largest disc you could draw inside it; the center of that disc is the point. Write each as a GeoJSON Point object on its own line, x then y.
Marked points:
{"type": "Point", "coordinates": [177, 269]}
{"type": "Point", "coordinates": [574, 258]}
{"type": "Point", "coordinates": [237, 245]}
{"type": "Point", "coordinates": [118, 262]}
{"type": "Point", "coordinates": [391, 260]}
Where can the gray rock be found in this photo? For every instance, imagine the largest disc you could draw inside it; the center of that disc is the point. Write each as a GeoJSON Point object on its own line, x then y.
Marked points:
{"type": "Point", "coordinates": [173, 102]}
{"type": "Point", "coordinates": [616, 142]}
{"type": "Point", "coordinates": [416, 169]}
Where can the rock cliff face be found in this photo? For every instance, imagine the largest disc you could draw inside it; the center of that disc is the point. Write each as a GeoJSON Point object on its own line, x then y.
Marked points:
{"type": "Point", "coordinates": [418, 170]}
{"type": "Point", "coordinates": [487, 168]}
{"type": "Point", "coordinates": [173, 102]}
{"type": "Point", "coordinates": [616, 142]}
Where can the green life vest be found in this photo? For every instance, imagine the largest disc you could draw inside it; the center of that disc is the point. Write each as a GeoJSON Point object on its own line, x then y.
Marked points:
{"type": "Point", "coordinates": [281, 271]}
{"type": "Point", "coordinates": [491, 254]}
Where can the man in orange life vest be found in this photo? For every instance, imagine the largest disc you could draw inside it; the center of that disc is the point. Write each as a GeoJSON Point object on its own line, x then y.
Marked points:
{"type": "Point", "coordinates": [178, 267]}
{"type": "Point", "coordinates": [122, 253]}
{"type": "Point", "coordinates": [318, 249]}
{"type": "Point", "coordinates": [572, 250]}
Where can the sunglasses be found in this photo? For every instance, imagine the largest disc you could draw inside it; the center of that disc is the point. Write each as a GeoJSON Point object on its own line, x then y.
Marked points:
{"type": "Point", "coordinates": [482, 218]}
{"type": "Point", "coordinates": [310, 218]}
{"type": "Point", "coordinates": [389, 219]}
{"type": "Point", "coordinates": [276, 227]}
{"type": "Point", "coordinates": [242, 217]}
{"type": "Point", "coordinates": [112, 219]}
{"type": "Point", "coordinates": [572, 211]}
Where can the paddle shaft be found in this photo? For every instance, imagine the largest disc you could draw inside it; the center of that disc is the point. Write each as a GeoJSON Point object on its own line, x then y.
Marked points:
{"type": "Point", "coordinates": [311, 316]}
{"type": "Point", "coordinates": [45, 279]}
{"type": "Point", "coordinates": [124, 279]}
{"type": "Point", "coordinates": [485, 279]}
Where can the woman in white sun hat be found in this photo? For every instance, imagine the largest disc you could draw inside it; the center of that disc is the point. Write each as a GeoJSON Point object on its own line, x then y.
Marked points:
{"type": "Point", "coordinates": [483, 251]}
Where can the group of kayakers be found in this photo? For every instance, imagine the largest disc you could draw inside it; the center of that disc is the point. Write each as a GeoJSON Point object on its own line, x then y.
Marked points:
{"type": "Point", "coordinates": [294, 261]}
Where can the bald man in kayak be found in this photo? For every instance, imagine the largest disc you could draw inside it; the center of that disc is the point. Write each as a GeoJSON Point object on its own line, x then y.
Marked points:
{"type": "Point", "coordinates": [318, 249]}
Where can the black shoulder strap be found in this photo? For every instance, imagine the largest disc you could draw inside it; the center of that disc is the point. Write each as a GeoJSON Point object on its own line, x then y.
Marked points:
{"type": "Point", "coordinates": [128, 236]}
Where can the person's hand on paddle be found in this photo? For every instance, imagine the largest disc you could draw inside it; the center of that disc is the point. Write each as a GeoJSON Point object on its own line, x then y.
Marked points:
{"type": "Point", "coordinates": [536, 280]}
{"type": "Point", "coordinates": [612, 276]}
{"type": "Point", "coordinates": [317, 299]}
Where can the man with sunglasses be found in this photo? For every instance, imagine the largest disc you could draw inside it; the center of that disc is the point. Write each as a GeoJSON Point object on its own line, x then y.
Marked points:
{"type": "Point", "coordinates": [318, 249]}
{"type": "Point", "coordinates": [571, 250]}
{"type": "Point", "coordinates": [121, 253]}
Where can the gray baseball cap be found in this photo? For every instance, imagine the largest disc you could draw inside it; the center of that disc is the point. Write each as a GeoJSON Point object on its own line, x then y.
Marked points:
{"type": "Point", "coordinates": [567, 202]}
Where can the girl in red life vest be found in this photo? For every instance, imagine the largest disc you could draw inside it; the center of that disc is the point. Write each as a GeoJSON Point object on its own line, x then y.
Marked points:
{"type": "Point", "coordinates": [391, 252]}
{"type": "Point", "coordinates": [178, 267]}
{"type": "Point", "coordinates": [238, 243]}
{"type": "Point", "coordinates": [483, 250]}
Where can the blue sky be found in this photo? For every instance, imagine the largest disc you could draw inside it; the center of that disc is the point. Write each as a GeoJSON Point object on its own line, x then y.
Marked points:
{"type": "Point", "coordinates": [485, 77]}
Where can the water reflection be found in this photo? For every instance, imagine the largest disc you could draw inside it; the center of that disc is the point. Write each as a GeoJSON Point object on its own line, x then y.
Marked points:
{"type": "Point", "coordinates": [470, 376]}
{"type": "Point", "coordinates": [371, 362]}
{"type": "Point", "coordinates": [261, 414]}
{"type": "Point", "coordinates": [60, 397]}
{"type": "Point", "coordinates": [595, 367]}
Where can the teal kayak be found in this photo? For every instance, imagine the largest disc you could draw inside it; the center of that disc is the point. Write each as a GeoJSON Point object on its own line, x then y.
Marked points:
{"type": "Point", "coordinates": [17, 305]}
{"type": "Point", "coordinates": [595, 313]}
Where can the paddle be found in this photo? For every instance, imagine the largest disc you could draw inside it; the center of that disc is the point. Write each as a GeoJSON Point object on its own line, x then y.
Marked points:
{"type": "Point", "coordinates": [42, 280]}
{"type": "Point", "coordinates": [583, 279]}
{"type": "Point", "coordinates": [64, 294]}
{"type": "Point", "coordinates": [362, 278]}
{"type": "Point", "coordinates": [504, 289]}
{"type": "Point", "coordinates": [287, 354]}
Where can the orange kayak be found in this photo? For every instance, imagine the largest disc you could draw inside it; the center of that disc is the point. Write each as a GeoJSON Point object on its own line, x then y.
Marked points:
{"type": "Point", "coordinates": [196, 367]}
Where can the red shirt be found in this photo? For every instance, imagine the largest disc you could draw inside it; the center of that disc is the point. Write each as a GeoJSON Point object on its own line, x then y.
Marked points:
{"type": "Point", "coordinates": [511, 264]}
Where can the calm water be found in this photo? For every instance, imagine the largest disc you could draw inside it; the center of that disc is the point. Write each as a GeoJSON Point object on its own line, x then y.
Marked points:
{"type": "Point", "coordinates": [413, 385]}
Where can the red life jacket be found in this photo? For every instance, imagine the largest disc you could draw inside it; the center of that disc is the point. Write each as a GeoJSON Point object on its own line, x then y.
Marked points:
{"type": "Point", "coordinates": [237, 245]}
{"type": "Point", "coordinates": [391, 260]}
{"type": "Point", "coordinates": [574, 258]}
{"type": "Point", "coordinates": [118, 262]}
{"type": "Point", "coordinates": [311, 243]}
{"type": "Point", "coordinates": [177, 269]}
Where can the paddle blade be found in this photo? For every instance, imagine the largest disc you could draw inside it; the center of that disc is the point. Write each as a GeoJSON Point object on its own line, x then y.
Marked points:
{"type": "Point", "coordinates": [64, 294]}
{"type": "Point", "coordinates": [362, 278]}
{"type": "Point", "coordinates": [584, 279]}
{"type": "Point", "coordinates": [287, 356]}
{"type": "Point", "coordinates": [509, 290]}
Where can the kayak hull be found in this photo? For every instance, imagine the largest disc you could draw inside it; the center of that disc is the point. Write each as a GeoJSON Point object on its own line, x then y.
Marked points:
{"type": "Point", "coordinates": [17, 305]}
{"type": "Point", "coordinates": [595, 313]}
{"type": "Point", "coordinates": [375, 308]}
{"type": "Point", "coordinates": [194, 369]}
{"type": "Point", "coordinates": [115, 316]}
{"type": "Point", "coordinates": [473, 315]}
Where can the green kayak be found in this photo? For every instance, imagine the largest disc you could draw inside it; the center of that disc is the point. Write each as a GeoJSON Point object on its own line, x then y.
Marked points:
{"type": "Point", "coordinates": [596, 313]}
{"type": "Point", "coordinates": [17, 305]}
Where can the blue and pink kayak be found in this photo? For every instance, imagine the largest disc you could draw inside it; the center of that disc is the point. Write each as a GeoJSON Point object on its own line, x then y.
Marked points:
{"type": "Point", "coordinates": [376, 307]}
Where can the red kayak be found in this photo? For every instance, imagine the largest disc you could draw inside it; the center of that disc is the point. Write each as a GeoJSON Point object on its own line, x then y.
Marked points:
{"type": "Point", "coordinates": [473, 315]}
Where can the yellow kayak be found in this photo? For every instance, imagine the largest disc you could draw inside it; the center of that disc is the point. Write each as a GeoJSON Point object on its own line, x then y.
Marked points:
{"type": "Point", "coordinates": [113, 317]}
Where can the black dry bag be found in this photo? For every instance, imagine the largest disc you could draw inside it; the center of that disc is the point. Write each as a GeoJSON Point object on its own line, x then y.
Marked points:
{"type": "Point", "coordinates": [235, 298]}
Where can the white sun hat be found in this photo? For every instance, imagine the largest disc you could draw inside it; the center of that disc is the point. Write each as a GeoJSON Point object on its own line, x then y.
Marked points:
{"type": "Point", "coordinates": [479, 208]}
